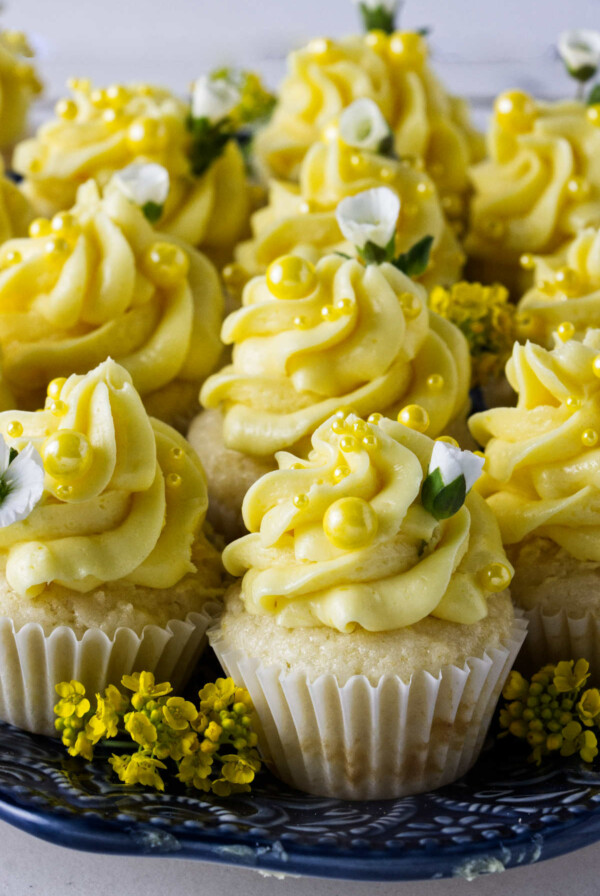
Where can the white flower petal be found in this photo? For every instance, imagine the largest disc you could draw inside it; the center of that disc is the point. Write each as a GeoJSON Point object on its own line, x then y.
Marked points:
{"type": "Point", "coordinates": [369, 217]}
{"type": "Point", "coordinates": [25, 478]}
{"type": "Point", "coordinates": [4, 455]}
{"type": "Point", "coordinates": [143, 183]}
{"type": "Point", "coordinates": [580, 49]}
{"type": "Point", "coordinates": [213, 98]}
{"type": "Point", "coordinates": [452, 462]}
{"type": "Point", "coordinates": [363, 126]}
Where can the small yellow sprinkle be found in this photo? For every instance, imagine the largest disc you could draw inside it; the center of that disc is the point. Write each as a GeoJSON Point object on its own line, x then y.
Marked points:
{"type": "Point", "coordinates": [40, 227]}
{"type": "Point", "coordinates": [350, 523]}
{"type": "Point", "coordinates": [435, 382]}
{"type": "Point", "coordinates": [66, 109]}
{"type": "Point", "coordinates": [300, 501]}
{"type": "Point", "coordinates": [341, 472]}
{"type": "Point", "coordinates": [55, 386]}
{"type": "Point", "coordinates": [579, 188]}
{"type": "Point", "coordinates": [12, 257]}
{"type": "Point", "coordinates": [386, 173]}
{"type": "Point", "coordinates": [56, 247]}
{"type": "Point", "coordinates": [424, 189]}
{"type": "Point", "coordinates": [370, 441]}
{"type": "Point", "coordinates": [329, 313]}
{"type": "Point", "coordinates": [338, 426]}
{"type": "Point", "coordinates": [291, 277]}
{"type": "Point", "coordinates": [527, 261]}
{"type": "Point", "coordinates": [596, 366]}
{"type": "Point", "coordinates": [296, 467]}
{"type": "Point", "coordinates": [565, 331]}
{"type": "Point", "coordinates": [415, 417]}
{"type": "Point", "coordinates": [573, 403]}
{"type": "Point", "coordinates": [589, 438]}
{"type": "Point", "coordinates": [348, 443]}
{"type": "Point", "coordinates": [15, 429]}
{"type": "Point", "coordinates": [375, 418]}
{"type": "Point", "coordinates": [593, 115]}
{"type": "Point", "coordinates": [57, 407]}
{"type": "Point", "coordinates": [567, 280]}
{"type": "Point", "coordinates": [344, 305]}
{"type": "Point", "coordinates": [449, 440]}
{"type": "Point", "coordinates": [301, 323]}
{"type": "Point", "coordinates": [495, 577]}
{"type": "Point", "coordinates": [304, 208]}
{"type": "Point", "coordinates": [515, 112]}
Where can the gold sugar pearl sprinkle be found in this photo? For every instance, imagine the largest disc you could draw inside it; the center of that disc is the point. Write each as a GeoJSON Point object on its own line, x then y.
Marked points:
{"type": "Point", "coordinates": [578, 188]}
{"type": "Point", "coordinates": [67, 454]}
{"type": "Point", "coordinates": [341, 472]}
{"type": "Point", "coordinates": [300, 323]}
{"type": "Point", "coordinates": [573, 403]}
{"type": "Point", "coordinates": [593, 115]}
{"type": "Point", "coordinates": [12, 257]}
{"type": "Point", "coordinates": [304, 208]}
{"type": "Point", "coordinates": [453, 205]}
{"type": "Point", "coordinates": [40, 227]}
{"type": "Point", "coordinates": [408, 49]}
{"type": "Point", "coordinates": [589, 438]}
{"type": "Point", "coordinates": [64, 223]}
{"type": "Point", "coordinates": [342, 413]}
{"type": "Point", "coordinates": [350, 523]}
{"type": "Point", "coordinates": [348, 443]}
{"type": "Point", "coordinates": [173, 480]}
{"type": "Point", "coordinates": [596, 366]}
{"type": "Point", "coordinates": [415, 417]}
{"type": "Point", "coordinates": [515, 112]}
{"type": "Point", "coordinates": [235, 276]}
{"type": "Point", "coordinates": [565, 331]}
{"type": "Point", "coordinates": [345, 305]}
{"type": "Point", "coordinates": [56, 247]}
{"type": "Point", "coordinates": [147, 135]}
{"type": "Point", "coordinates": [411, 306]}
{"type": "Point", "coordinates": [547, 287]}
{"type": "Point", "coordinates": [377, 40]}
{"type": "Point", "coordinates": [495, 577]}
{"type": "Point", "coordinates": [567, 281]}
{"type": "Point", "coordinates": [527, 261]}
{"type": "Point", "coordinates": [375, 418]}
{"type": "Point", "coordinates": [386, 174]}
{"type": "Point", "coordinates": [63, 491]}
{"type": "Point", "coordinates": [57, 407]}
{"type": "Point", "coordinates": [329, 313]}
{"type": "Point", "coordinates": [320, 46]}
{"type": "Point", "coordinates": [14, 429]}
{"type": "Point", "coordinates": [370, 441]}
{"type": "Point", "coordinates": [435, 382]}
{"type": "Point", "coordinates": [291, 277]}
{"type": "Point", "coordinates": [55, 386]}
{"type": "Point", "coordinates": [449, 440]}
{"type": "Point", "coordinates": [338, 426]}
{"type": "Point", "coordinates": [66, 109]}
{"type": "Point", "coordinates": [167, 265]}
{"type": "Point", "coordinates": [360, 427]}
{"type": "Point", "coordinates": [296, 467]}
{"type": "Point", "coordinates": [300, 501]}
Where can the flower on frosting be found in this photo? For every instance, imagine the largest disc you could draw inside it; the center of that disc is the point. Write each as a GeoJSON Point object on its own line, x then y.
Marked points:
{"type": "Point", "coordinates": [145, 184]}
{"type": "Point", "coordinates": [368, 220]}
{"type": "Point", "coordinates": [580, 52]}
{"type": "Point", "coordinates": [363, 126]}
{"type": "Point", "coordinates": [378, 14]}
{"type": "Point", "coordinates": [214, 98]}
{"type": "Point", "coordinates": [451, 475]}
{"type": "Point", "coordinates": [21, 482]}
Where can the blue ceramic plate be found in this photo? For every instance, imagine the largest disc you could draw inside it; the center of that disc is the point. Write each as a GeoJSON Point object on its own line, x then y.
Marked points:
{"type": "Point", "coordinates": [502, 814]}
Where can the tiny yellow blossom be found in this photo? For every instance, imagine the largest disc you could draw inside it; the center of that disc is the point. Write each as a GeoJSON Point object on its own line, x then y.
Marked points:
{"type": "Point", "coordinates": [73, 701]}
{"type": "Point", "coordinates": [179, 713]}
{"type": "Point", "coordinates": [515, 687]}
{"type": "Point", "coordinates": [569, 676]}
{"type": "Point", "coordinates": [216, 696]}
{"type": "Point", "coordinates": [240, 769]}
{"type": "Point", "coordinates": [195, 769]}
{"type": "Point", "coordinates": [138, 768]}
{"type": "Point", "coordinates": [140, 728]}
{"type": "Point", "coordinates": [588, 707]}
{"type": "Point", "coordinates": [213, 732]}
{"type": "Point", "coordinates": [144, 687]}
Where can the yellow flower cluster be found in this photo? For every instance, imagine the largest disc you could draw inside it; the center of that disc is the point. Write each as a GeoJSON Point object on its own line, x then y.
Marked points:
{"type": "Point", "coordinates": [213, 745]}
{"type": "Point", "coordinates": [487, 319]}
{"type": "Point", "coordinates": [553, 712]}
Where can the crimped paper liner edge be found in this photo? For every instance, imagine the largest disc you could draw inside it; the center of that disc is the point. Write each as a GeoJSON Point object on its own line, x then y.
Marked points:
{"type": "Point", "coordinates": [552, 637]}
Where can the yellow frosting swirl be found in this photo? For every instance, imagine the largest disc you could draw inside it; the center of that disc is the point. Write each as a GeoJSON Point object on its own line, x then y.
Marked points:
{"type": "Point", "coordinates": [541, 184]}
{"type": "Point", "coordinates": [342, 539]}
{"type": "Point", "coordinates": [326, 76]}
{"type": "Point", "coordinates": [124, 494]}
{"type": "Point", "coordinates": [98, 132]}
{"type": "Point", "coordinates": [302, 219]}
{"type": "Point", "coordinates": [348, 335]}
{"type": "Point", "coordinates": [543, 457]}
{"type": "Point", "coordinates": [19, 83]}
{"type": "Point", "coordinates": [99, 281]}
{"type": "Point", "coordinates": [16, 213]}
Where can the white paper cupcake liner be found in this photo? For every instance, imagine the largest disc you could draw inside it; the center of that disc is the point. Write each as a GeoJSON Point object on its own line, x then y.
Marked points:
{"type": "Point", "coordinates": [361, 741]}
{"type": "Point", "coordinates": [32, 663]}
{"type": "Point", "coordinates": [558, 636]}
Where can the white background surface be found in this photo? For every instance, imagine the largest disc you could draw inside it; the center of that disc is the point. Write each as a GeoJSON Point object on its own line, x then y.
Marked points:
{"type": "Point", "coordinates": [480, 47]}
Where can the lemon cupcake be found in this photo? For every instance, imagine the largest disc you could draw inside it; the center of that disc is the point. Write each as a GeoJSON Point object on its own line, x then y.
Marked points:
{"type": "Point", "coordinates": [541, 481]}
{"type": "Point", "coordinates": [106, 570]}
{"type": "Point", "coordinates": [99, 281]}
{"type": "Point", "coordinates": [539, 187]}
{"type": "Point", "coordinates": [308, 340]}
{"type": "Point", "coordinates": [372, 625]}
{"type": "Point", "coordinates": [19, 84]}
{"type": "Point", "coordinates": [350, 158]}
{"type": "Point", "coordinates": [100, 131]}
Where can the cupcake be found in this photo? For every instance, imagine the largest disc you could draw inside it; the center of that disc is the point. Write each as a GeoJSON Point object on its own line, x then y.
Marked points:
{"type": "Point", "coordinates": [99, 281]}
{"type": "Point", "coordinates": [308, 340]}
{"type": "Point", "coordinates": [538, 189]}
{"type": "Point", "coordinates": [392, 70]}
{"type": "Point", "coordinates": [541, 481]}
{"type": "Point", "coordinates": [372, 625]}
{"type": "Point", "coordinates": [19, 84]}
{"type": "Point", "coordinates": [301, 219]}
{"type": "Point", "coordinates": [107, 569]}
{"type": "Point", "coordinates": [100, 131]}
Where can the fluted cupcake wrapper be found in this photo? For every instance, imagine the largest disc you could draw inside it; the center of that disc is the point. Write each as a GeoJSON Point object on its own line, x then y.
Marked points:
{"type": "Point", "coordinates": [558, 636]}
{"type": "Point", "coordinates": [32, 663]}
{"type": "Point", "coordinates": [361, 741]}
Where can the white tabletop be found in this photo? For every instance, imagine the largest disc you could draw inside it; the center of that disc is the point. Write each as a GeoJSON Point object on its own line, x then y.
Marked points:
{"type": "Point", "coordinates": [479, 48]}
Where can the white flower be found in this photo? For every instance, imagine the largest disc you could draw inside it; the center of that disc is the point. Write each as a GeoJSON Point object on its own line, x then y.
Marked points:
{"type": "Point", "coordinates": [369, 217]}
{"type": "Point", "coordinates": [143, 183]}
{"type": "Point", "coordinates": [387, 5]}
{"type": "Point", "coordinates": [452, 463]}
{"type": "Point", "coordinates": [580, 52]}
{"type": "Point", "coordinates": [213, 98]}
{"type": "Point", "coordinates": [363, 126]}
{"type": "Point", "coordinates": [21, 483]}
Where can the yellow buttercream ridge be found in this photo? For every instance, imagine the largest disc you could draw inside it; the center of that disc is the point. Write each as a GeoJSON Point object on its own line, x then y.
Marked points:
{"type": "Point", "coordinates": [99, 281]}
{"type": "Point", "coordinates": [326, 76]}
{"type": "Point", "coordinates": [542, 471]}
{"type": "Point", "coordinates": [19, 84]}
{"type": "Point", "coordinates": [100, 131]}
{"type": "Point", "coordinates": [360, 336]}
{"type": "Point", "coordinates": [301, 219]}
{"type": "Point", "coordinates": [112, 508]}
{"type": "Point", "coordinates": [338, 550]}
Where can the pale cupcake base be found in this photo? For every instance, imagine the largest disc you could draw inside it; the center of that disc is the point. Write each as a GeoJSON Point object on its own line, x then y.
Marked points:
{"type": "Point", "coordinates": [361, 740]}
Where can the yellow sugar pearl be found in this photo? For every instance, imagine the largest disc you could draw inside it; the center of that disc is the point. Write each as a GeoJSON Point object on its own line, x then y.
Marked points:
{"type": "Point", "coordinates": [386, 173]}
{"type": "Point", "coordinates": [116, 96]}
{"type": "Point", "coordinates": [14, 429]}
{"type": "Point", "coordinates": [11, 258]}
{"type": "Point", "coordinates": [593, 114]}
{"type": "Point", "coordinates": [112, 116]}
{"type": "Point", "coordinates": [375, 419]}
{"type": "Point", "coordinates": [573, 403]}
{"type": "Point", "coordinates": [235, 277]}
{"type": "Point", "coordinates": [66, 225]}
{"type": "Point", "coordinates": [147, 135]}
{"type": "Point", "coordinates": [55, 387]}
{"type": "Point", "coordinates": [56, 248]}
{"type": "Point", "coordinates": [547, 287]}
{"type": "Point", "coordinates": [341, 472]}
{"type": "Point", "coordinates": [304, 208]}
{"type": "Point", "coordinates": [360, 427]}
{"type": "Point", "coordinates": [291, 277]}
{"type": "Point", "coordinates": [348, 443]}
{"type": "Point", "coordinates": [343, 412]}
{"type": "Point", "coordinates": [578, 188]}
{"type": "Point", "coordinates": [330, 134]}
{"type": "Point", "coordinates": [589, 438]}
{"type": "Point", "coordinates": [320, 46]}
{"type": "Point", "coordinates": [296, 467]}
{"type": "Point", "coordinates": [515, 111]}
{"type": "Point", "coordinates": [596, 366]}
{"type": "Point", "coordinates": [357, 161]}
{"type": "Point", "coordinates": [166, 264]}
{"type": "Point", "coordinates": [63, 492]}
{"type": "Point", "coordinates": [338, 426]}
{"type": "Point", "coordinates": [300, 323]}
{"type": "Point", "coordinates": [424, 189]}
{"type": "Point", "coordinates": [66, 109]}
{"type": "Point", "coordinates": [97, 97]}
{"type": "Point", "coordinates": [411, 305]}
{"type": "Point", "coordinates": [350, 523]}
{"type": "Point", "coordinates": [300, 501]}
{"type": "Point", "coordinates": [530, 326]}
{"type": "Point", "coordinates": [449, 440]}
{"type": "Point", "coordinates": [493, 228]}
{"type": "Point", "coordinates": [495, 577]}
{"type": "Point", "coordinates": [370, 441]}
{"type": "Point", "coordinates": [408, 49]}
{"type": "Point", "coordinates": [527, 261]}
{"type": "Point", "coordinates": [345, 305]}
{"type": "Point", "coordinates": [329, 313]}
{"type": "Point", "coordinates": [173, 480]}
{"type": "Point", "coordinates": [40, 227]}
{"type": "Point", "coordinates": [568, 281]}
{"type": "Point", "coordinates": [57, 407]}
{"type": "Point", "coordinates": [415, 417]}
{"type": "Point", "coordinates": [177, 454]}
{"type": "Point", "coordinates": [565, 331]}
{"type": "Point", "coordinates": [67, 455]}
{"type": "Point", "coordinates": [378, 40]}
{"type": "Point", "coordinates": [435, 382]}
{"type": "Point", "coordinates": [144, 90]}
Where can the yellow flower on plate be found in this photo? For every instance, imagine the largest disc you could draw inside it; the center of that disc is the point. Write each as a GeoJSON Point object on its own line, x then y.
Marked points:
{"type": "Point", "coordinates": [139, 768]}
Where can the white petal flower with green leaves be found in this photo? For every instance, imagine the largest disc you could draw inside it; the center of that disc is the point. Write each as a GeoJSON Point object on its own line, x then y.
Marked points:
{"type": "Point", "coordinates": [450, 477]}
{"type": "Point", "coordinates": [363, 126]}
{"type": "Point", "coordinates": [580, 52]}
{"type": "Point", "coordinates": [21, 482]}
{"type": "Point", "coordinates": [369, 217]}
{"type": "Point", "coordinates": [145, 184]}
{"type": "Point", "coordinates": [214, 98]}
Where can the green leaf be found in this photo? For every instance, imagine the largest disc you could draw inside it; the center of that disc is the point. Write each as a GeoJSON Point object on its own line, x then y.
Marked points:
{"type": "Point", "coordinates": [377, 19]}
{"type": "Point", "coordinates": [12, 453]}
{"type": "Point", "coordinates": [594, 95]}
{"type": "Point", "coordinates": [373, 254]}
{"type": "Point", "coordinates": [152, 211]}
{"type": "Point", "coordinates": [208, 142]}
{"type": "Point", "coordinates": [414, 262]}
{"type": "Point", "coordinates": [584, 73]}
{"type": "Point", "coordinates": [443, 501]}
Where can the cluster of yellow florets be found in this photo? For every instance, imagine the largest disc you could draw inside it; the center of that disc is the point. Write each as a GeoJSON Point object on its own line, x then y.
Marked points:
{"type": "Point", "coordinates": [553, 712]}
{"type": "Point", "coordinates": [213, 745]}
